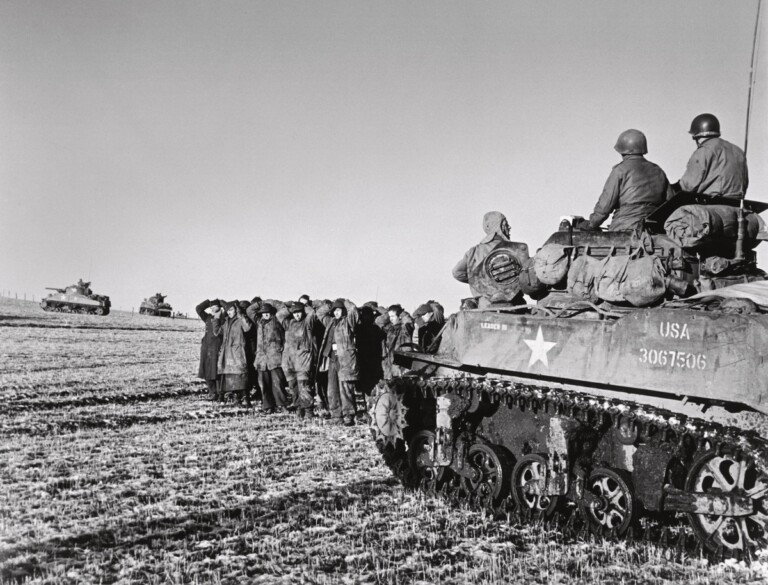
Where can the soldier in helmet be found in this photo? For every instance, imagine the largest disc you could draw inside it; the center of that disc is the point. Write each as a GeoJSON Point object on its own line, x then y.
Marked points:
{"type": "Point", "coordinates": [635, 187]}
{"type": "Point", "coordinates": [716, 167]}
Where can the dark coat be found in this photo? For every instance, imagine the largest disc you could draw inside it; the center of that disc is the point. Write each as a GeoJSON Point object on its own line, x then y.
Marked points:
{"type": "Point", "coordinates": [427, 334]}
{"type": "Point", "coordinates": [232, 356]}
{"type": "Point", "coordinates": [344, 337]}
{"type": "Point", "coordinates": [370, 351]}
{"type": "Point", "coordinates": [396, 335]}
{"type": "Point", "coordinates": [300, 351]}
{"type": "Point", "coordinates": [209, 346]}
{"type": "Point", "coordinates": [270, 340]}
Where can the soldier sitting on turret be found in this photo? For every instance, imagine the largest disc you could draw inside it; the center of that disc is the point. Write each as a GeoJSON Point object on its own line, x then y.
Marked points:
{"type": "Point", "coordinates": [497, 281]}
{"type": "Point", "coordinates": [716, 167]}
{"type": "Point", "coordinates": [633, 190]}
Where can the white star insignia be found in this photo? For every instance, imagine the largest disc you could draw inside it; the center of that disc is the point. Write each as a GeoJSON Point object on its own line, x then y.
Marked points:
{"type": "Point", "coordinates": [539, 349]}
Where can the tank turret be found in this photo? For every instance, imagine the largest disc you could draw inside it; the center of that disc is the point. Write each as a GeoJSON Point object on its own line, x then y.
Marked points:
{"type": "Point", "coordinates": [634, 388]}
{"type": "Point", "coordinates": [76, 298]}
{"type": "Point", "coordinates": [156, 306]}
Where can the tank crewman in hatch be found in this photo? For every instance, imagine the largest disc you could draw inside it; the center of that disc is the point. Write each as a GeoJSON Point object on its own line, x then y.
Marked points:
{"type": "Point", "coordinates": [496, 230]}
{"type": "Point", "coordinates": [300, 354]}
{"type": "Point", "coordinates": [635, 187]}
{"type": "Point", "coordinates": [716, 167]}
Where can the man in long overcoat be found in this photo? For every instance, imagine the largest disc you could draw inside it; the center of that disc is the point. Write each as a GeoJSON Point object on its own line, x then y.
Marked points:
{"type": "Point", "coordinates": [233, 363]}
{"type": "Point", "coordinates": [339, 347]}
{"type": "Point", "coordinates": [300, 354]}
{"type": "Point", "coordinates": [268, 359]}
{"type": "Point", "coordinates": [209, 346]}
{"type": "Point", "coordinates": [399, 331]}
{"type": "Point", "coordinates": [370, 350]}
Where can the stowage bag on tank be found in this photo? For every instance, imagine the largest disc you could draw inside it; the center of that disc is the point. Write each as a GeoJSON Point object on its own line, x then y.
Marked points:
{"type": "Point", "coordinates": [692, 226]}
{"type": "Point", "coordinates": [551, 263]}
{"type": "Point", "coordinates": [529, 282]}
{"type": "Point", "coordinates": [609, 281]}
{"type": "Point", "coordinates": [582, 275]}
{"type": "Point", "coordinates": [644, 281]}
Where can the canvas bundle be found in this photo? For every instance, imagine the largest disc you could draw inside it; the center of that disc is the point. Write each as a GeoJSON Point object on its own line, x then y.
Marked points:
{"type": "Point", "coordinates": [551, 263]}
{"type": "Point", "coordinates": [611, 277]}
{"type": "Point", "coordinates": [529, 282]}
{"type": "Point", "coordinates": [582, 275]}
{"type": "Point", "coordinates": [644, 281]}
{"type": "Point", "coordinates": [692, 226]}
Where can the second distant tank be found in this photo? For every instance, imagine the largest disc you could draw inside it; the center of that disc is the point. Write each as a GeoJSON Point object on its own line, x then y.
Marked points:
{"type": "Point", "coordinates": [76, 298]}
{"type": "Point", "coordinates": [156, 306]}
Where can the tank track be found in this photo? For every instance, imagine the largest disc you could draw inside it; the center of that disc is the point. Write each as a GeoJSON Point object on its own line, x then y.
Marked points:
{"type": "Point", "coordinates": [671, 428]}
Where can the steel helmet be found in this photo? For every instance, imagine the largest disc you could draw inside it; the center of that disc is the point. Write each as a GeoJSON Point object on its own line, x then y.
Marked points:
{"type": "Point", "coordinates": [705, 125]}
{"type": "Point", "coordinates": [631, 142]}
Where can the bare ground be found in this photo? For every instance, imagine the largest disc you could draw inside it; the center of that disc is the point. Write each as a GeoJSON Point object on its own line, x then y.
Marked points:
{"type": "Point", "coordinates": [115, 469]}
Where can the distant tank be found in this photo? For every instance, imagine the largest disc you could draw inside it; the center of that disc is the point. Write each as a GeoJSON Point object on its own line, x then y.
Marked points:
{"type": "Point", "coordinates": [156, 306]}
{"type": "Point", "coordinates": [601, 411]}
{"type": "Point", "coordinates": [77, 298]}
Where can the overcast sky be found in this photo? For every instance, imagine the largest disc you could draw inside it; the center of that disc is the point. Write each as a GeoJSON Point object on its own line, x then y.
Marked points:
{"type": "Point", "coordinates": [348, 148]}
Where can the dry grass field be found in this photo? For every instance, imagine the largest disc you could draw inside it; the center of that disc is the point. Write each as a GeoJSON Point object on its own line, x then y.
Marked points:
{"type": "Point", "coordinates": [115, 469]}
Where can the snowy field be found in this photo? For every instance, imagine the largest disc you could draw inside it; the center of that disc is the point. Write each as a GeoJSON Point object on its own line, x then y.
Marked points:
{"type": "Point", "coordinates": [115, 469]}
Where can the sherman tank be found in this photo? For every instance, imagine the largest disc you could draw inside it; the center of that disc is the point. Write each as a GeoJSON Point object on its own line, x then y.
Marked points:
{"type": "Point", "coordinates": [156, 306]}
{"type": "Point", "coordinates": [646, 412]}
{"type": "Point", "coordinates": [77, 298]}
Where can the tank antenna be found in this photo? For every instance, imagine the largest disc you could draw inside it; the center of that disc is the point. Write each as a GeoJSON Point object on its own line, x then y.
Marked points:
{"type": "Point", "coordinates": [752, 73]}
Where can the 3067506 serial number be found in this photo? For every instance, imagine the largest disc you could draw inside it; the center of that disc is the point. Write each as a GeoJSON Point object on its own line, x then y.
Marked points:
{"type": "Point", "coordinates": [673, 359]}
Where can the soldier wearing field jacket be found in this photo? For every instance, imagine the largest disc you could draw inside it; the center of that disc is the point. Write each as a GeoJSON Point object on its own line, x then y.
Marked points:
{"type": "Point", "coordinates": [398, 331]}
{"type": "Point", "coordinates": [634, 188]}
{"type": "Point", "coordinates": [209, 346]}
{"type": "Point", "coordinates": [268, 359]}
{"type": "Point", "coordinates": [233, 360]}
{"type": "Point", "coordinates": [340, 349]}
{"type": "Point", "coordinates": [716, 167]}
{"type": "Point", "coordinates": [300, 354]}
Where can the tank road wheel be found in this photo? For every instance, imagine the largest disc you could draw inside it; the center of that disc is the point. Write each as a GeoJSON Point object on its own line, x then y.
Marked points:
{"type": "Point", "coordinates": [529, 481]}
{"type": "Point", "coordinates": [488, 481]}
{"type": "Point", "coordinates": [610, 504]}
{"type": "Point", "coordinates": [387, 416]}
{"type": "Point", "coordinates": [420, 460]}
{"type": "Point", "coordinates": [724, 474]}
{"type": "Point", "coordinates": [99, 310]}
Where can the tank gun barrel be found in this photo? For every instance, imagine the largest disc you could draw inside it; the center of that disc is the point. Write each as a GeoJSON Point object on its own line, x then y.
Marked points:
{"type": "Point", "coordinates": [59, 290]}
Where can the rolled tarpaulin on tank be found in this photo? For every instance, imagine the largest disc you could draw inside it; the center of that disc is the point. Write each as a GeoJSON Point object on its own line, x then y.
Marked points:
{"type": "Point", "coordinates": [551, 263]}
{"type": "Point", "coordinates": [756, 292]}
{"type": "Point", "coordinates": [692, 226]}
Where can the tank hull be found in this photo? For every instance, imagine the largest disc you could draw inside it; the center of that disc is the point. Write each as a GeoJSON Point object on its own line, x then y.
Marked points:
{"type": "Point", "coordinates": [602, 416]}
{"type": "Point", "coordinates": [76, 303]}
{"type": "Point", "coordinates": [678, 352]}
